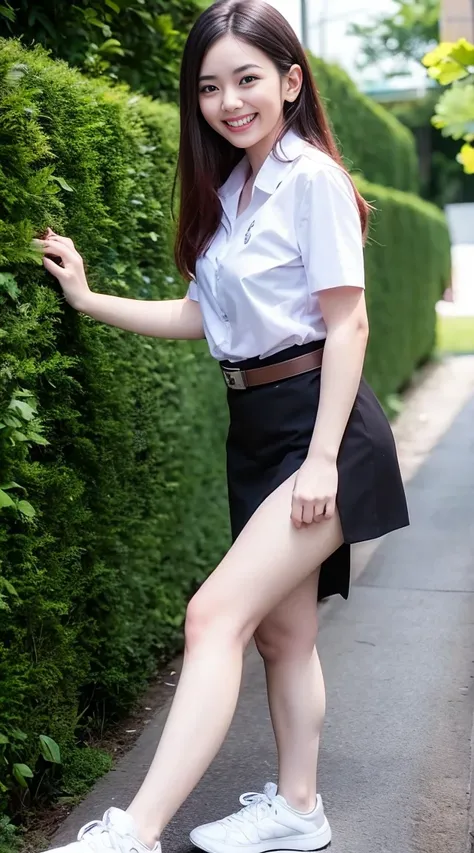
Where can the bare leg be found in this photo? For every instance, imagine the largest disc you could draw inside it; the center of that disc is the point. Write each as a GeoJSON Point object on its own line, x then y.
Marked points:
{"type": "Point", "coordinates": [296, 694]}
{"type": "Point", "coordinates": [270, 558]}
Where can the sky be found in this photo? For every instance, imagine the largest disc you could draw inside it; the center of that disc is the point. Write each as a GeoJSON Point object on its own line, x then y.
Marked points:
{"type": "Point", "coordinates": [330, 40]}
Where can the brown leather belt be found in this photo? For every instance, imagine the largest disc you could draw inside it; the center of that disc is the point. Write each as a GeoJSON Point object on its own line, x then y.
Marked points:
{"type": "Point", "coordinates": [239, 380]}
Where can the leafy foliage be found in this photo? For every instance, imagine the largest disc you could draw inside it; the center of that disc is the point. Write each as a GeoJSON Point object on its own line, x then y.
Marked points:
{"type": "Point", "coordinates": [408, 267]}
{"type": "Point", "coordinates": [140, 42]}
{"type": "Point", "coordinates": [371, 139]}
{"type": "Point", "coordinates": [105, 435]}
{"type": "Point", "coordinates": [405, 34]}
{"type": "Point", "coordinates": [452, 64]}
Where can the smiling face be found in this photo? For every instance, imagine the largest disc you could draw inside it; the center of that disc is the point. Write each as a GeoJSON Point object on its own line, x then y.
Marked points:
{"type": "Point", "coordinates": [241, 93]}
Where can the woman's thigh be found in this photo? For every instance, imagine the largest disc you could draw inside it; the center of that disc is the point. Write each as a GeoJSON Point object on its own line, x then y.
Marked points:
{"type": "Point", "coordinates": [269, 559]}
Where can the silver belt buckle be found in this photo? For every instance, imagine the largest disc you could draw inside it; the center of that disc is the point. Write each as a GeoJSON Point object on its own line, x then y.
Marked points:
{"type": "Point", "coordinates": [234, 378]}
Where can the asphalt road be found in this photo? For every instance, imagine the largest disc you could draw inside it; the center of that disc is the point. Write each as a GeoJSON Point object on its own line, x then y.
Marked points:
{"type": "Point", "coordinates": [398, 659]}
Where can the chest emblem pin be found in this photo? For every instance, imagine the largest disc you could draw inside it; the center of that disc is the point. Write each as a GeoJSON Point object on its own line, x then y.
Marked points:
{"type": "Point", "coordinates": [248, 234]}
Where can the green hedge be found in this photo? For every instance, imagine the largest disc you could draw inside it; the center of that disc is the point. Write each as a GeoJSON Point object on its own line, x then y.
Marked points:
{"type": "Point", "coordinates": [138, 42]}
{"type": "Point", "coordinates": [408, 263]}
{"type": "Point", "coordinates": [129, 496]}
{"type": "Point", "coordinates": [371, 139]}
{"type": "Point", "coordinates": [116, 442]}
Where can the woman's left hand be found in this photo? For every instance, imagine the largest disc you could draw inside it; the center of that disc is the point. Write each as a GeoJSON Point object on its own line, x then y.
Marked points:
{"type": "Point", "coordinates": [314, 493]}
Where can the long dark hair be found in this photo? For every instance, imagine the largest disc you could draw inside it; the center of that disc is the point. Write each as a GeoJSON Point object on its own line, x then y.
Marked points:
{"type": "Point", "coordinates": [206, 159]}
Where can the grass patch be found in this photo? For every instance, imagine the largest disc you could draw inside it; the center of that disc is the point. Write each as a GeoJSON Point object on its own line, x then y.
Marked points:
{"type": "Point", "coordinates": [455, 334]}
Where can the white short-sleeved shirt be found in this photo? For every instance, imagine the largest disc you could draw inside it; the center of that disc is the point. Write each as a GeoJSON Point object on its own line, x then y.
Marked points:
{"type": "Point", "coordinates": [258, 282]}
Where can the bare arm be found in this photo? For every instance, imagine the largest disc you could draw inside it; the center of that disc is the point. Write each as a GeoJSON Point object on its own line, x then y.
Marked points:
{"type": "Point", "coordinates": [345, 316]}
{"type": "Point", "coordinates": [344, 312]}
{"type": "Point", "coordinates": [171, 318]}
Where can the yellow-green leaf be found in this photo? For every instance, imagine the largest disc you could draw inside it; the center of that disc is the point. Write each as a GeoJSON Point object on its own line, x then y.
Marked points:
{"type": "Point", "coordinates": [38, 439]}
{"type": "Point", "coordinates": [455, 111]}
{"type": "Point", "coordinates": [21, 773]}
{"type": "Point", "coordinates": [7, 13]}
{"type": "Point", "coordinates": [438, 54]}
{"type": "Point", "coordinates": [62, 183]}
{"type": "Point", "coordinates": [50, 749]}
{"type": "Point", "coordinates": [27, 412]}
{"type": "Point", "coordinates": [9, 587]}
{"type": "Point", "coordinates": [447, 72]}
{"type": "Point", "coordinates": [26, 509]}
{"type": "Point", "coordinates": [463, 52]}
{"type": "Point", "coordinates": [466, 158]}
{"type": "Point", "coordinates": [8, 283]}
{"type": "Point", "coordinates": [5, 500]}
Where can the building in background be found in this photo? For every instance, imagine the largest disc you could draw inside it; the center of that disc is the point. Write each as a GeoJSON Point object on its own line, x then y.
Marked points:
{"type": "Point", "coordinates": [327, 24]}
{"type": "Point", "coordinates": [457, 20]}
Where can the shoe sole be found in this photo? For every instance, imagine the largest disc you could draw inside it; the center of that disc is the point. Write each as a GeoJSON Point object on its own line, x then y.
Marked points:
{"type": "Point", "coordinates": [305, 844]}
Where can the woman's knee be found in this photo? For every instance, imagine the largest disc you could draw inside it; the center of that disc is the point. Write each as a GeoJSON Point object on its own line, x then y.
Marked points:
{"type": "Point", "coordinates": [278, 641]}
{"type": "Point", "coordinates": [208, 620]}
{"type": "Point", "coordinates": [199, 619]}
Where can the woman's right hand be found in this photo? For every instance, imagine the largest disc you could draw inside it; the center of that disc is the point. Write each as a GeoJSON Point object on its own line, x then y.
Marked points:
{"type": "Point", "coordinates": [70, 271]}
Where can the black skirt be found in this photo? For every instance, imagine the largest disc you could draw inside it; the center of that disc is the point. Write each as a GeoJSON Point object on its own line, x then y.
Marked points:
{"type": "Point", "coordinates": [270, 430]}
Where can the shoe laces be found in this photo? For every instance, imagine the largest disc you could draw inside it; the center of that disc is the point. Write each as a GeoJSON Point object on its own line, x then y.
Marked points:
{"type": "Point", "coordinates": [96, 834]}
{"type": "Point", "coordinates": [255, 805]}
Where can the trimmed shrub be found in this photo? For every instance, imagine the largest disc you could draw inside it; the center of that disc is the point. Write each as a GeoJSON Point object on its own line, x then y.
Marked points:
{"type": "Point", "coordinates": [112, 495]}
{"type": "Point", "coordinates": [113, 503]}
{"type": "Point", "coordinates": [371, 139]}
{"type": "Point", "coordinates": [408, 263]}
{"type": "Point", "coordinates": [138, 42]}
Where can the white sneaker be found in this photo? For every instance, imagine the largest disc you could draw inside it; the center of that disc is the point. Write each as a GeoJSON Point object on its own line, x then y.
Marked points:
{"type": "Point", "coordinates": [266, 823]}
{"type": "Point", "coordinates": [116, 832]}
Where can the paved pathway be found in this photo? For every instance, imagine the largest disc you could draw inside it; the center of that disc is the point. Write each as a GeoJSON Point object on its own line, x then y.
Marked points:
{"type": "Point", "coordinates": [399, 665]}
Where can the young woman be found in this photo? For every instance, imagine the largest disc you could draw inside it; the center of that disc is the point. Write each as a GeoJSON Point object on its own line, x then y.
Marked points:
{"type": "Point", "coordinates": [271, 240]}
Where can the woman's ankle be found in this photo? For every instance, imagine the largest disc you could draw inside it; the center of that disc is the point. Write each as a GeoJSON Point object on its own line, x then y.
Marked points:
{"type": "Point", "coordinates": [147, 831]}
{"type": "Point", "coordinates": [300, 800]}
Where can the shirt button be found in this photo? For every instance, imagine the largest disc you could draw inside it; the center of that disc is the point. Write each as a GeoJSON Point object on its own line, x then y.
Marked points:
{"type": "Point", "coordinates": [225, 317]}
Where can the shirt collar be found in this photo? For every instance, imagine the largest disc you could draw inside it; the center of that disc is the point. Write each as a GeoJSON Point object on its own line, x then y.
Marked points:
{"type": "Point", "coordinates": [270, 174]}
